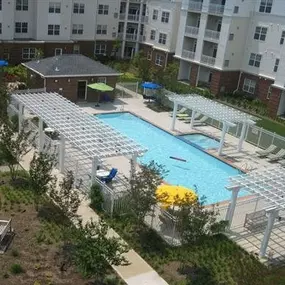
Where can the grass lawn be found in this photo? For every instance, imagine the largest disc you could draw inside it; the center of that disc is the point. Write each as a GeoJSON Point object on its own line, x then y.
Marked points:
{"type": "Point", "coordinates": [214, 261]}
{"type": "Point", "coordinates": [34, 256]}
{"type": "Point", "coordinates": [272, 126]}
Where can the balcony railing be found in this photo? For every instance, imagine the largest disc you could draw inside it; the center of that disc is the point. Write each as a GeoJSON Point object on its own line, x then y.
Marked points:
{"type": "Point", "coordinates": [131, 37]}
{"type": "Point", "coordinates": [188, 54]}
{"type": "Point", "coordinates": [191, 30]}
{"type": "Point", "coordinates": [210, 34]}
{"type": "Point", "coordinates": [195, 6]}
{"type": "Point", "coordinates": [144, 19]}
{"type": "Point", "coordinates": [122, 16]}
{"type": "Point", "coordinates": [208, 59]}
{"type": "Point", "coordinates": [216, 9]}
{"type": "Point", "coordinates": [120, 36]}
{"type": "Point", "coordinates": [131, 17]}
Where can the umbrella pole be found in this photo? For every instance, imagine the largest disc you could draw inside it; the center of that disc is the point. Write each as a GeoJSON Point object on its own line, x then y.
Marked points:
{"type": "Point", "coordinates": [97, 104]}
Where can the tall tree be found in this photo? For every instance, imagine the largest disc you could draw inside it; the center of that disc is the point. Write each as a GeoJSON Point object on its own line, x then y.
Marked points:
{"type": "Point", "coordinates": [143, 65]}
{"type": "Point", "coordinates": [13, 146]}
{"type": "Point", "coordinates": [41, 179]}
{"type": "Point", "coordinates": [67, 197]}
{"type": "Point", "coordinates": [142, 190]}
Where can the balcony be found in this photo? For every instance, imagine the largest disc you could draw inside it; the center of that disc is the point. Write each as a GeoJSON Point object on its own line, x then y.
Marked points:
{"type": "Point", "coordinates": [131, 37]}
{"type": "Point", "coordinates": [188, 54]}
{"type": "Point", "coordinates": [131, 17]}
{"type": "Point", "coordinates": [208, 59]}
{"type": "Point", "coordinates": [195, 5]}
{"type": "Point", "coordinates": [216, 9]}
{"type": "Point", "coordinates": [213, 35]}
{"type": "Point", "coordinates": [144, 19]}
{"type": "Point", "coordinates": [191, 30]}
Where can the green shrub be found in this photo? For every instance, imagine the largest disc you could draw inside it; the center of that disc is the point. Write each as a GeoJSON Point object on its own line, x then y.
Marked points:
{"type": "Point", "coordinates": [96, 197]}
{"type": "Point", "coordinates": [16, 269]}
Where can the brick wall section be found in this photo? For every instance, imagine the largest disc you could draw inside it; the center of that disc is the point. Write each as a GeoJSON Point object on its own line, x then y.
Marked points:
{"type": "Point", "coordinates": [274, 101]}
{"type": "Point", "coordinates": [34, 81]}
{"type": "Point", "coordinates": [193, 74]}
{"type": "Point", "coordinates": [215, 84]}
{"type": "Point", "coordinates": [229, 79]}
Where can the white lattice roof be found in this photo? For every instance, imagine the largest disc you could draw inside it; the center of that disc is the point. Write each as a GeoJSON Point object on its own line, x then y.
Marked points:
{"type": "Point", "coordinates": [268, 183]}
{"type": "Point", "coordinates": [88, 133]}
{"type": "Point", "coordinates": [211, 108]}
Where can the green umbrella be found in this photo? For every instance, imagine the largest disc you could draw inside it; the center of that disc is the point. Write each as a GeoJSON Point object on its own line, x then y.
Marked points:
{"type": "Point", "coordinates": [100, 87]}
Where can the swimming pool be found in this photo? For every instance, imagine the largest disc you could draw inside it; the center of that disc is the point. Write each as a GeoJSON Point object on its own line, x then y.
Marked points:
{"type": "Point", "coordinates": [207, 173]}
{"type": "Point", "coordinates": [202, 141]}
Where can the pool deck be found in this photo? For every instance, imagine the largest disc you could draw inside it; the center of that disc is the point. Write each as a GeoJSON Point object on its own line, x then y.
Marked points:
{"type": "Point", "coordinates": [245, 160]}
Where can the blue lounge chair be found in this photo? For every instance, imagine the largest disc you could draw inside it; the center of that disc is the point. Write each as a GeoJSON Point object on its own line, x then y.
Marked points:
{"type": "Point", "coordinates": [109, 177]}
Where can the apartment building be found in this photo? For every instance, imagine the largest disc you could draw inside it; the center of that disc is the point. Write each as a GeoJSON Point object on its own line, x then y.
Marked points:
{"type": "Point", "coordinates": [231, 45]}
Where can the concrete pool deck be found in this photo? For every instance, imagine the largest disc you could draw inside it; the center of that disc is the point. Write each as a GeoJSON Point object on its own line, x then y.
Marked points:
{"type": "Point", "coordinates": [245, 160]}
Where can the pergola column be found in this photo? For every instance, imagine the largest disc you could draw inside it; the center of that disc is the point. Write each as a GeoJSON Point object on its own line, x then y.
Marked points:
{"type": "Point", "coordinates": [232, 206]}
{"type": "Point", "coordinates": [41, 135]}
{"type": "Point", "coordinates": [20, 115]}
{"type": "Point", "coordinates": [272, 213]}
{"type": "Point", "coordinates": [174, 114]}
{"type": "Point", "coordinates": [133, 162]}
{"type": "Point", "coordinates": [95, 164]}
{"type": "Point", "coordinates": [192, 119]}
{"type": "Point", "coordinates": [61, 153]}
{"type": "Point", "coordinates": [222, 141]}
{"type": "Point", "coordinates": [242, 136]}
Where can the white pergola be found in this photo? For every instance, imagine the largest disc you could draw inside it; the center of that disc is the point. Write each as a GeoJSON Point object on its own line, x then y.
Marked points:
{"type": "Point", "coordinates": [268, 183]}
{"type": "Point", "coordinates": [220, 112]}
{"type": "Point", "coordinates": [85, 132]}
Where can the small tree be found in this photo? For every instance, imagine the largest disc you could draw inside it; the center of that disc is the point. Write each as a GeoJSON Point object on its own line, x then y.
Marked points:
{"type": "Point", "coordinates": [195, 221]}
{"type": "Point", "coordinates": [96, 197]}
{"type": "Point", "coordinates": [143, 65]}
{"type": "Point", "coordinates": [39, 53]}
{"type": "Point", "coordinates": [142, 190]}
{"type": "Point", "coordinates": [67, 197]}
{"type": "Point", "coordinates": [4, 101]}
{"type": "Point", "coordinates": [13, 146]}
{"type": "Point", "coordinates": [41, 179]}
{"type": "Point", "coordinates": [93, 252]}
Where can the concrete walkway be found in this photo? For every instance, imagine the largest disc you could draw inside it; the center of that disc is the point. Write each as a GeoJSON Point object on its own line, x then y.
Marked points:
{"type": "Point", "coordinates": [138, 271]}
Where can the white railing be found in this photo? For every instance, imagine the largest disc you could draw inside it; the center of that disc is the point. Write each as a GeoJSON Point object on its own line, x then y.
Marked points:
{"type": "Point", "coordinates": [188, 54]}
{"type": "Point", "coordinates": [195, 6]}
{"type": "Point", "coordinates": [191, 30]}
{"type": "Point", "coordinates": [144, 19]}
{"type": "Point", "coordinates": [208, 59]}
{"type": "Point", "coordinates": [133, 17]}
{"type": "Point", "coordinates": [216, 9]}
{"type": "Point", "coordinates": [120, 36]}
{"type": "Point", "coordinates": [122, 16]}
{"type": "Point", "coordinates": [212, 34]}
{"type": "Point", "coordinates": [131, 37]}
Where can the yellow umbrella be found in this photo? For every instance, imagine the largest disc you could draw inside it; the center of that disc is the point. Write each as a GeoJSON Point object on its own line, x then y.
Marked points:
{"type": "Point", "coordinates": [170, 195]}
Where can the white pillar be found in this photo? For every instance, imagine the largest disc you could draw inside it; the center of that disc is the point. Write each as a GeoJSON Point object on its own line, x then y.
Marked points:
{"type": "Point", "coordinates": [125, 30]}
{"type": "Point", "coordinates": [95, 164]}
{"type": "Point", "coordinates": [192, 119]}
{"type": "Point", "coordinates": [61, 153]}
{"type": "Point", "coordinates": [224, 131]}
{"type": "Point", "coordinates": [41, 135]}
{"type": "Point", "coordinates": [242, 136]}
{"type": "Point", "coordinates": [20, 116]}
{"type": "Point", "coordinates": [174, 115]}
{"type": "Point", "coordinates": [232, 206]}
{"type": "Point", "coordinates": [270, 223]}
{"type": "Point", "coordinates": [133, 162]}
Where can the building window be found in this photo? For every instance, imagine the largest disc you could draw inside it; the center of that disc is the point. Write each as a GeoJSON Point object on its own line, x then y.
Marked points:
{"type": "Point", "coordinates": [103, 9]}
{"type": "Point", "coordinates": [21, 28]}
{"type": "Point", "coordinates": [249, 86]}
{"type": "Point", "coordinates": [152, 35]}
{"type": "Point", "coordinates": [22, 5]}
{"type": "Point", "coordinates": [0, 28]}
{"type": "Point", "coordinates": [77, 29]}
{"type": "Point", "coordinates": [231, 37]}
{"type": "Point", "coordinates": [159, 59]}
{"type": "Point", "coordinates": [54, 30]}
{"type": "Point", "coordinates": [282, 38]}
{"type": "Point", "coordinates": [277, 60]}
{"type": "Point", "coordinates": [149, 55]}
{"type": "Point", "coordinates": [265, 6]}
{"type": "Point", "coordinates": [260, 33]}
{"type": "Point", "coordinates": [236, 8]}
{"type": "Point", "coordinates": [101, 29]}
{"type": "Point", "coordinates": [226, 63]}
{"type": "Point", "coordinates": [0, 5]}
{"type": "Point", "coordinates": [102, 80]}
{"type": "Point", "coordinates": [76, 49]}
{"type": "Point", "coordinates": [28, 53]}
{"type": "Point", "coordinates": [54, 7]}
{"type": "Point", "coordinates": [78, 8]}
{"type": "Point", "coordinates": [165, 17]}
{"type": "Point", "coordinates": [162, 38]}
{"type": "Point", "coordinates": [101, 49]}
{"type": "Point", "coordinates": [255, 59]}
{"type": "Point", "coordinates": [155, 14]}
{"type": "Point", "coordinates": [57, 51]}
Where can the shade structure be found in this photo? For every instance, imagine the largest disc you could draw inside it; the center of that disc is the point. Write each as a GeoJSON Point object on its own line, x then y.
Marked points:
{"type": "Point", "coordinates": [3, 63]}
{"type": "Point", "coordinates": [150, 85]}
{"type": "Point", "coordinates": [101, 87]}
{"type": "Point", "coordinates": [170, 195]}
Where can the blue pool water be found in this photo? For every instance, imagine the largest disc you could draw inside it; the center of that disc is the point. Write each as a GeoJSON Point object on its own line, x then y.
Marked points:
{"type": "Point", "coordinates": [201, 140]}
{"type": "Point", "coordinates": [207, 173]}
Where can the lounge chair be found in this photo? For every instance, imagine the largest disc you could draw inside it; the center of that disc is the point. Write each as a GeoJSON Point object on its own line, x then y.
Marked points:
{"type": "Point", "coordinates": [184, 118]}
{"type": "Point", "coordinates": [266, 152]}
{"type": "Point", "coordinates": [278, 156]}
{"type": "Point", "coordinates": [105, 177]}
{"type": "Point", "coordinates": [181, 111]}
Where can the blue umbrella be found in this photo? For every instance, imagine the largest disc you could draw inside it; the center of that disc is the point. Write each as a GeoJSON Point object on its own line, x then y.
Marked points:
{"type": "Point", "coordinates": [3, 63]}
{"type": "Point", "coordinates": [150, 85]}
